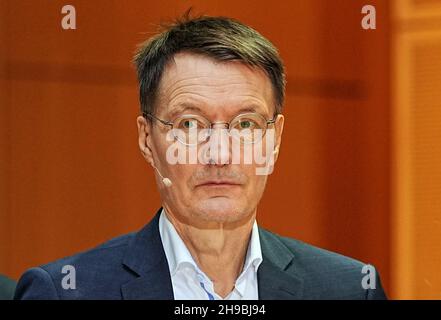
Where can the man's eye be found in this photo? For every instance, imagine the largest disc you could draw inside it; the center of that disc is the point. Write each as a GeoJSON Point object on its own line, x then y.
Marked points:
{"type": "Point", "coordinates": [189, 124]}
{"type": "Point", "coordinates": [246, 124]}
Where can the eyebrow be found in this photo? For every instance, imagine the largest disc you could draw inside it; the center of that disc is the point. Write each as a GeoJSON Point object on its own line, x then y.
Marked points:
{"type": "Point", "coordinates": [182, 107]}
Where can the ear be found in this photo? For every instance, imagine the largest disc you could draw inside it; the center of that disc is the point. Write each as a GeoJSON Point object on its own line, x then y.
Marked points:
{"type": "Point", "coordinates": [278, 125]}
{"type": "Point", "coordinates": [144, 138]}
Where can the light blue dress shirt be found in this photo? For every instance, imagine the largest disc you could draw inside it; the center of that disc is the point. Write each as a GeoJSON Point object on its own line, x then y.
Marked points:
{"type": "Point", "coordinates": [191, 283]}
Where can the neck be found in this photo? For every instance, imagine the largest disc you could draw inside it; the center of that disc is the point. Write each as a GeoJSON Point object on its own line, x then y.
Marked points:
{"type": "Point", "coordinates": [219, 251]}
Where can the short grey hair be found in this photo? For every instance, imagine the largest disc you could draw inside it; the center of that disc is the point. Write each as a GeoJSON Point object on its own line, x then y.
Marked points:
{"type": "Point", "coordinates": [221, 38]}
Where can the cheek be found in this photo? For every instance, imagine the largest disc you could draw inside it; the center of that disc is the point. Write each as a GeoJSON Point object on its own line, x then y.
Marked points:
{"type": "Point", "coordinates": [256, 183]}
{"type": "Point", "coordinates": [182, 174]}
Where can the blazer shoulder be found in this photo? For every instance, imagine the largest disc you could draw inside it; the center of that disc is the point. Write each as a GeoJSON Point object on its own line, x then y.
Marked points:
{"type": "Point", "coordinates": [7, 288]}
{"type": "Point", "coordinates": [91, 268]}
{"type": "Point", "coordinates": [327, 274]}
{"type": "Point", "coordinates": [104, 253]}
{"type": "Point", "coordinates": [307, 253]}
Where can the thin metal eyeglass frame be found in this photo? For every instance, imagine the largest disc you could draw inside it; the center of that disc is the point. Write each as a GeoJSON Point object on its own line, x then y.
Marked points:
{"type": "Point", "coordinates": [228, 124]}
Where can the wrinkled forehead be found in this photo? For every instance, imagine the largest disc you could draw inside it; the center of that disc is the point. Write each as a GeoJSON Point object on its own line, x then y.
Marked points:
{"type": "Point", "coordinates": [194, 79]}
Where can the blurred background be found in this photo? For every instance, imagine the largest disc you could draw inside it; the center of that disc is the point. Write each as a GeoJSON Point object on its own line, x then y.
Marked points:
{"type": "Point", "coordinates": [359, 170]}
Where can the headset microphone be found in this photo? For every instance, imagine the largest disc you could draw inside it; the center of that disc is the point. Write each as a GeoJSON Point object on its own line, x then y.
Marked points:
{"type": "Point", "coordinates": [166, 181]}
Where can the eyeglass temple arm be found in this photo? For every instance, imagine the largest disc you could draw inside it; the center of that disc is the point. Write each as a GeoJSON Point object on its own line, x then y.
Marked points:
{"type": "Point", "coordinates": [149, 115]}
{"type": "Point", "coordinates": [273, 120]}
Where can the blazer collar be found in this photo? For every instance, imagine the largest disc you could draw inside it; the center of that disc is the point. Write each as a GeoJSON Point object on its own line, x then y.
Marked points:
{"type": "Point", "coordinates": [274, 282]}
{"type": "Point", "coordinates": [145, 257]}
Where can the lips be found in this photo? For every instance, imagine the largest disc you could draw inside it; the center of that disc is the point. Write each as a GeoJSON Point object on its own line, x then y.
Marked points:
{"type": "Point", "coordinates": [218, 183]}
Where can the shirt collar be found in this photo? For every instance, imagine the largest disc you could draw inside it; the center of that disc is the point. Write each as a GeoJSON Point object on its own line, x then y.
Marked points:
{"type": "Point", "coordinates": [252, 261]}
{"type": "Point", "coordinates": [175, 249]}
{"type": "Point", "coordinates": [254, 252]}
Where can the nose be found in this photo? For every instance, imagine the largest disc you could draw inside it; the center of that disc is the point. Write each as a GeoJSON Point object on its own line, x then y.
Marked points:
{"type": "Point", "coordinates": [219, 144]}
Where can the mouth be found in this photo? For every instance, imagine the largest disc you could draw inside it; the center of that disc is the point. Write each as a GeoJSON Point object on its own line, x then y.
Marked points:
{"type": "Point", "coordinates": [218, 184]}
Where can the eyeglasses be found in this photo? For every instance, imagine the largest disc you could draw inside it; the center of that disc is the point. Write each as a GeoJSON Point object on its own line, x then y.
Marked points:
{"type": "Point", "coordinates": [192, 129]}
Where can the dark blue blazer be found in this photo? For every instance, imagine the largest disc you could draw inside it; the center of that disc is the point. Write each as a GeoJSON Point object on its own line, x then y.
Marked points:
{"type": "Point", "coordinates": [134, 266]}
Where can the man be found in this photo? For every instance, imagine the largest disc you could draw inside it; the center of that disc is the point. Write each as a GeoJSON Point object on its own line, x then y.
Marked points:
{"type": "Point", "coordinates": [211, 92]}
{"type": "Point", "coordinates": [7, 288]}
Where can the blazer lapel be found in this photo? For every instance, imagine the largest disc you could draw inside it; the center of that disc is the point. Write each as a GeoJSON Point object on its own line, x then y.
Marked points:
{"type": "Point", "coordinates": [146, 259]}
{"type": "Point", "coordinates": [274, 282]}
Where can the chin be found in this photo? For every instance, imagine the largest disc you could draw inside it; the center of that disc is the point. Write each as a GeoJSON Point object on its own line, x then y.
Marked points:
{"type": "Point", "coordinates": [221, 209]}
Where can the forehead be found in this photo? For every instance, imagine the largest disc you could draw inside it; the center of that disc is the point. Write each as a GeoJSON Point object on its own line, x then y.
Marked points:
{"type": "Point", "coordinates": [214, 86]}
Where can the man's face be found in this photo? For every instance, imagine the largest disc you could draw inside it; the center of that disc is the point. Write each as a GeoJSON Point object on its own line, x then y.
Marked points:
{"type": "Point", "coordinates": [220, 191]}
